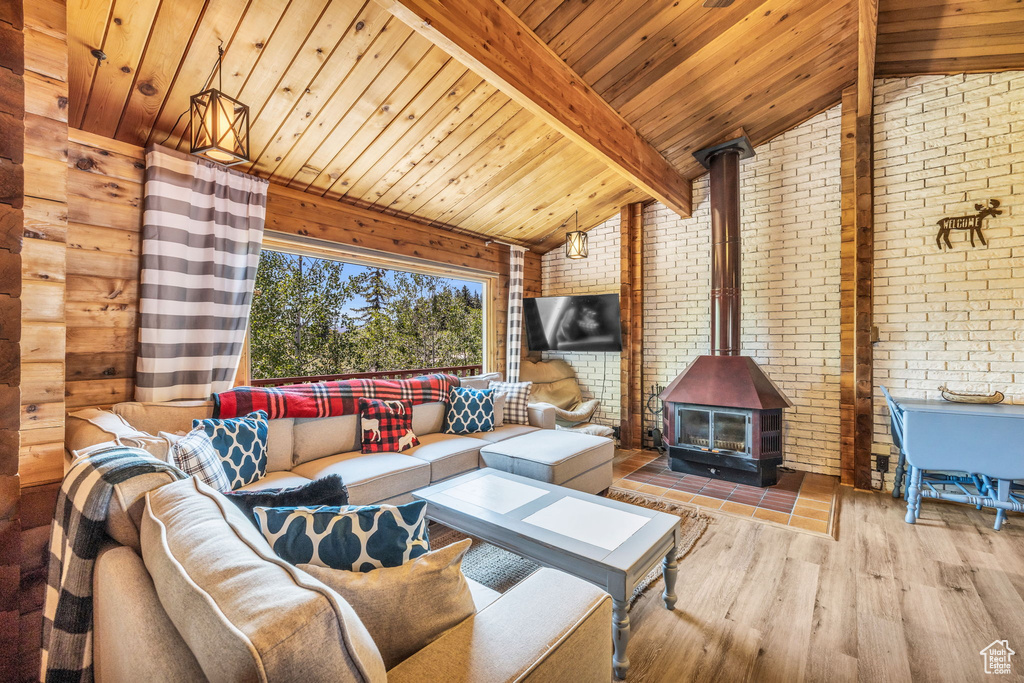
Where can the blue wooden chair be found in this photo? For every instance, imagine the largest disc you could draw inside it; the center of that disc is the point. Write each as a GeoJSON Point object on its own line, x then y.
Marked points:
{"type": "Point", "coordinates": [896, 427]}
{"type": "Point", "coordinates": [983, 485]}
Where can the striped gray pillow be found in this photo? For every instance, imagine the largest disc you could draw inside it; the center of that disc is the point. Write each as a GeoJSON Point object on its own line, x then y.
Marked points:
{"type": "Point", "coordinates": [517, 400]}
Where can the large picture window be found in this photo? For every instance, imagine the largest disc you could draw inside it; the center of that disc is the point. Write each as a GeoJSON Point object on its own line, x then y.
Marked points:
{"type": "Point", "coordinates": [316, 316]}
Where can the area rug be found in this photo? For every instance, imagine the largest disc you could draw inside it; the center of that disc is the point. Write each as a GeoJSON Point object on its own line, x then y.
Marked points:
{"type": "Point", "coordinates": [500, 569]}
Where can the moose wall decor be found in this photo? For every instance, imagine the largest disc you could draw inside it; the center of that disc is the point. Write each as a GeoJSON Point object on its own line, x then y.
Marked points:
{"type": "Point", "coordinates": [970, 223]}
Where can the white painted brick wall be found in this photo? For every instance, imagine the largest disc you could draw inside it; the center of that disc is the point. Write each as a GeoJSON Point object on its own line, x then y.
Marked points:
{"type": "Point", "coordinates": [597, 373]}
{"type": "Point", "coordinates": [956, 317]}
{"type": "Point", "coordinates": [791, 231]}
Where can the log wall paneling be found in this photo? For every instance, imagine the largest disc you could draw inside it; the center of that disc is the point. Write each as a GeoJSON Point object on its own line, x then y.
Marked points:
{"type": "Point", "coordinates": [631, 299]}
{"type": "Point", "coordinates": [44, 246]}
{"type": "Point", "coordinates": [104, 231]}
{"type": "Point", "coordinates": [43, 282]}
{"type": "Point", "coordinates": [857, 259]}
{"type": "Point", "coordinates": [12, 111]}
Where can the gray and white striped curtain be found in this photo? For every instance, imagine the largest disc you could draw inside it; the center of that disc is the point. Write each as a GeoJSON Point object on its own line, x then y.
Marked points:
{"type": "Point", "coordinates": [514, 342]}
{"type": "Point", "coordinates": [201, 236]}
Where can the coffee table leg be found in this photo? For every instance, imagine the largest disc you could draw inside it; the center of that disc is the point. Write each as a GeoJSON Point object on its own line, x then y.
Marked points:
{"type": "Point", "coordinates": [669, 569]}
{"type": "Point", "coordinates": [620, 637]}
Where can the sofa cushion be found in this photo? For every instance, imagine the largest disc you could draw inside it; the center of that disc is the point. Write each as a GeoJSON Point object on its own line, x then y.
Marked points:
{"type": "Point", "coordinates": [502, 433]}
{"type": "Point", "coordinates": [276, 480]}
{"type": "Point", "coordinates": [428, 418]}
{"type": "Point", "coordinates": [480, 381]}
{"type": "Point", "coordinates": [357, 538]}
{"type": "Point", "coordinates": [246, 614]}
{"type": "Point", "coordinates": [133, 638]}
{"type": "Point", "coordinates": [406, 608]}
{"type": "Point", "coordinates": [92, 426]}
{"type": "Point", "coordinates": [551, 456]}
{"type": "Point", "coordinates": [168, 416]}
{"type": "Point", "coordinates": [482, 595]}
{"type": "Point", "coordinates": [371, 478]}
{"type": "Point", "coordinates": [550, 627]}
{"type": "Point", "coordinates": [318, 437]}
{"type": "Point", "coordinates": [176, 417]}
{"type": "Point", "coordinates": [448, 454]}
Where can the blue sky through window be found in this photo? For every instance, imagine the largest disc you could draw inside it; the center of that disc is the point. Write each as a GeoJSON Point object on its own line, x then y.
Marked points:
{"type": "Point", "coordinates": [352, 270]}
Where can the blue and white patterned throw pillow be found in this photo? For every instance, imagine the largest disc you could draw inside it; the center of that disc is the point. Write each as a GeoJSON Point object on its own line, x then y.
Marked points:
{"type": "Point", "coordinates": [353, 538]}
{"type": "Point", "coordinates": [195, 455]}
{"type": "Point", "coordinates": [241, 443]}
{"type": "Point", "coordinates": [469, 411]}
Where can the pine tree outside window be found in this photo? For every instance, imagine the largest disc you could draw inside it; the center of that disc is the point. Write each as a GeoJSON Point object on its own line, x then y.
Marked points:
{"type": "Point", "coordinates": [318, 316]}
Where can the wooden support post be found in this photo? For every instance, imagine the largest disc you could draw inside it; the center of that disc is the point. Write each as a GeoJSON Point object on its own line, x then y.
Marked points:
{"type": "Point", "coordinates": [631, 301]}
{"type": "Point", "coordinates": [857, 261]}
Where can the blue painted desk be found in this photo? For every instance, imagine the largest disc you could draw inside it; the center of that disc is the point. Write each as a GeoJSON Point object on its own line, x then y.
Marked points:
{"type": "Point", "coordinates": [976, 438]}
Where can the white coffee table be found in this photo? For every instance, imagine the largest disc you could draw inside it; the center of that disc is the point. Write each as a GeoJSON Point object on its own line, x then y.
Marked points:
{"type": "Point", "coordinates": [611, 544]}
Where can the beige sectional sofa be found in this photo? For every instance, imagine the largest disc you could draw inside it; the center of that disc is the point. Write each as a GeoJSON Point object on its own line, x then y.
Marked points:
{"type": "Point", "coordinates": [302, 449]}
{"type": "Point", "coordinates": [199, 594]}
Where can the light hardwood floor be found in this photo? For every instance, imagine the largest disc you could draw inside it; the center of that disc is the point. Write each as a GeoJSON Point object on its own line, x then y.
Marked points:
{"type": "Point", "coordinates": [887, 601]}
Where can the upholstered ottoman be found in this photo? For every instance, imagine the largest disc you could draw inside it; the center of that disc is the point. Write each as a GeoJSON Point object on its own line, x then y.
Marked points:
{"type": "Point", "coordinates": [577, 461]}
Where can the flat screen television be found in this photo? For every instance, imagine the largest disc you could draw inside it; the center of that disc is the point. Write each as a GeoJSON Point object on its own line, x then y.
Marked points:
{"type": "Point", "coordinates": [589, 322]}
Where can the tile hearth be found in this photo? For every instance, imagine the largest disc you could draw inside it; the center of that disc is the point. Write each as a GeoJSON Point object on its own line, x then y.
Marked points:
{"type": "Point", "coordinates": [801, 500]}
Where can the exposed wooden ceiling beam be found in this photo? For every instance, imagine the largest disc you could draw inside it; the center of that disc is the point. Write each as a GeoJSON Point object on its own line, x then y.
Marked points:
{"type": "Point", "coordinates": [490, 39]}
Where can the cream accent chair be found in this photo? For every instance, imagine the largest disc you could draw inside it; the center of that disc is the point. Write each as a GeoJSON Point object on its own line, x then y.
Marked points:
{"type": "Point", "coordinates": [554, 383]}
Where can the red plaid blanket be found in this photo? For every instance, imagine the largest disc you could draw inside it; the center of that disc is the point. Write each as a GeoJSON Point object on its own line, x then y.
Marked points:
{"type": "Point", "coordinates": [324, 399]}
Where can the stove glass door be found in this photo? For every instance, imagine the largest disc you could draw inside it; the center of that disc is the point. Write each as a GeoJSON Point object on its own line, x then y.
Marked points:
{"type": "Point", "coordinates": [730, 433]}
{"type": "Point", "coordinates": [693, 427]}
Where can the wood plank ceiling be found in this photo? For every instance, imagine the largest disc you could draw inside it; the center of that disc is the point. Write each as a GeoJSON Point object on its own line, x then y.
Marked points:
{"type": "Point", "coordinates": [349, 103]}
{"type": "Point", "coordinates": [949, 36]}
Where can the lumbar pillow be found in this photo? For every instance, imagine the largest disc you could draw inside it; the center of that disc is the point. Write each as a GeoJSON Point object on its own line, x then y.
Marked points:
{"type": "Point", "coordinates": [406, 608]}
{"type": "Point", "coordinates": [241, 443]}
{"type": "Point", "coordinates": [359, 538]}
{"type": "Point", "coordinates": [327, 491]}
{"type": "Point", "coordinates": [195, 455]}
{"type": "Point", "coordinates": [386, 426]}
{"type": "Point", "coordinates": [517, 398]}
{"type": "Point", "coordinates": [469, 411]}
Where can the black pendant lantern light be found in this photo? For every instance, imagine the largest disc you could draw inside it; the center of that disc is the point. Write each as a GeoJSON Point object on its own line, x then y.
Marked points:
{"type": "Point", "coordinates": [219, 124]}
{"type": "Point", "coordinates": [576, 241]}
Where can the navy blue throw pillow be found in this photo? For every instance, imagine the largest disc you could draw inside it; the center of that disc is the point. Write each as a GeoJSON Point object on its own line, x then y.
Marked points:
{"type": "Point", "coordinates": [357, 538]}
{"type": "Point", "coordinates": [241, 443]}
{"type": "Point", "coordinates": [469, 411]}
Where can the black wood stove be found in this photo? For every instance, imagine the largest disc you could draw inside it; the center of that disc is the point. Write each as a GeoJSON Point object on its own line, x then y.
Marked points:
{"type": "Point", "coordinates": [723, 414]}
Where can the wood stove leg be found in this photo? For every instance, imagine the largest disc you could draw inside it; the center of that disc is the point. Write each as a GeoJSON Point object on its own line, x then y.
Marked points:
{"type": "Point", "coordinates": [620, 637]}
{"type": "Point", "coordinates": [669, 568]}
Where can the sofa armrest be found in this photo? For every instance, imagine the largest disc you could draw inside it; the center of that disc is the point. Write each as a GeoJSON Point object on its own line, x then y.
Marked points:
{"type": "Point", "coordinates": [542, 415]}
{"type": "Point", "coordinates": [550, 627]}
